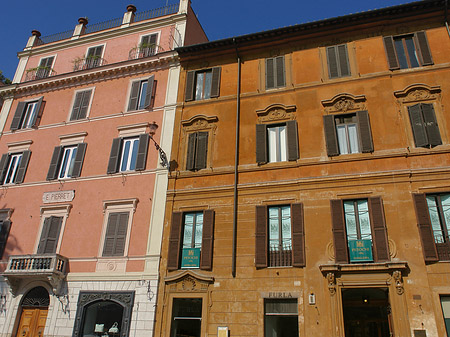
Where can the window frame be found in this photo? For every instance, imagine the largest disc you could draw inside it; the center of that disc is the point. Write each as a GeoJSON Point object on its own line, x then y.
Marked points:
{"type": "Point", "coordinates": [57, 160]}
{"type": "Point", "coordinates": [94, 64]}
{"type": "Point", "coordinates": [48, 69]}
{"type": "Point", "coordinates": [117, 150]}
{"type": "Point", "coordinates": [59, 211]}
{"type": "Point", "coordinates": [81, 104]}
{"type": "Point", "coordinates": [275, 71]}
{"type": "Point", "coordinates": [156, 47]}
{"type": "Point", "coordinates": [191, 84]}
{"type": "Point", "coordinates": [137, 96]}
{"type": "Point", "coordinates": [19, 169]}
{"type": "Point", "coordinates": [22, 119]}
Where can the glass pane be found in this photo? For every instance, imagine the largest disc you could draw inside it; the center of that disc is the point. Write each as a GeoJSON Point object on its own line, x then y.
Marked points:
{"type": "Point", "coordinates": [62, 171]}
{"type": "Point", "coordinates": [272, 140]}
{"type": "Point", "coordinates": [142, 93]}
{"type": "Point", "coordinates": [199, 86]}
{"type": "Point", "coordinates": [286, 227]}
{"type": "Point", "coordinates": [198, 230]}
{"type": "Point", "coordinates": [125, 155]}
{"type": "Point", "coordinates": [282, 143]}
{"type": "Point", "coordinates": [281, 318]}
{"type": "Point", "coordinates": [72, 161]}
{"type": "Point", "coordinates": [186, 317]}
{"type": "Point", "coordinates": [342, 139]}
{"type": "Point", "coordinates": [134, 154]}
{"type": "Point", "coordinates": [435, 220]}
{"type": "Point", "coordinates": [12, 168]}
{"type": "Point", "coordinates": [29, 115]}
{"type": "Point", "coordinates": [445, 202]}
{"type": "Point", "coordinates": [401, 53]}
{"type": "Point", "coordinates": [412, 52]}
{"type": "Point", "coordinates": [364, 220]}
{"type": "Point", "coordinates": [353, 138]}
{"type": "Point", "coordinates": [350, 220]}
{"type": "Point", "coordinates": [274, 229]}
{"type": "Point", "coordinates": [188, 228]}
{"type": "Point", "coordinates": [208, 81]}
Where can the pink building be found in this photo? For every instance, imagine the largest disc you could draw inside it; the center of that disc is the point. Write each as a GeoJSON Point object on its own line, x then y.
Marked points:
{"type": "Point", "coordinates": [83, 185]}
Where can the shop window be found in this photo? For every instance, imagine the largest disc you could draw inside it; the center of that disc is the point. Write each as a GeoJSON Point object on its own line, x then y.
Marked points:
{"type": "Point", "coordinates": [281, 318]}
{"type": "Point", "coordinates": [186, 317]}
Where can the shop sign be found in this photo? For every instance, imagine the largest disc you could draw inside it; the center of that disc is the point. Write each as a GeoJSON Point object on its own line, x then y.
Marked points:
{"type": "Point", "coordinates": [360, 250]}
{"type": "Point", "coordinates": [58, 196]}
{"type": "Point", "coordinates": [190, 258]}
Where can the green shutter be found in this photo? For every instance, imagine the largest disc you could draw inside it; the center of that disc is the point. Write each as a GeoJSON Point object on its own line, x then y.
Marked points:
{"type": "Point", "coordinates": [332, 60]}
{"type": "Point", "coordinates": [134, 96]}
{"type": "Point", "coordinates": [429, 250]}
{"type": "Point", "coordinates": [431, 126]}
{"type": "Point", "coordinates": [280, 72]}
{"type": "Point", "coordinates": [190, 156]}
{"type": "Point", "coordinates": [50, 235]}
{"type": "Point", "coordinates": [292, 140]}
{"type": "Point", "coordinates": [5, 226]}
{"type": "Point", "coordinates": [150, 91]}
{"type": "Point", "coordinates": [201, 152]}
{"type": "Point", "coordinates": [76, 106]}
{"type": "Point", "coordinates": [270, 73]}
{"type": "Point", "coordinates": [18, 115]}
{"type": "Point", "coordinates": [215, 82]}
{"type": "Point", "coordinates": [190, 86]}
{"type": "Point", "coordinates": [86, 99]}
{"type": "Point", "coordinates": [298, 236]}
{"type": "Point", "coordinates": [344, 65]}
{"type": "Point", "coordinates": [380, 240]}
{"type": "Point", "coordinates": [4, 161]}
{"type": "Point", "coordinates": [417, 125]}
{"type": "Point", "coordinates": [364, 131]}
{"type": "Point", "coordinates": [424, 52]}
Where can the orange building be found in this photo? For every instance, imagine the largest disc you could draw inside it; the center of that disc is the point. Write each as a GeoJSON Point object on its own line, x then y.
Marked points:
{"type": "Point", "coordinates": [308, 192]}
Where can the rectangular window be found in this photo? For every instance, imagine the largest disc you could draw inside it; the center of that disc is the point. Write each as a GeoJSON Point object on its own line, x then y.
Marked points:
{"type": "Point", "coordinates": [148, 46]}
{"type": "Point", "coordinates": [359, 232]}
{"type": "Point", "coordinates": [94, 57]}
{"type": "Point", "coordinates": [192, 240]}
{"type": "Point", "coordinates": [66, 161]}
{"type": "Point", "coordinates": [81, 105]}
{"type": "Point", "coordinates": [280, 236]}
{"type": "Point", "coordinates": [276, 139]}
{"type": "Point", "coordinates": [45, 67]}
{"type": "Point", "coordinates": [50, 235]}
{"type": "Point", "coordinates": [13, 167]}
{"type": "Point", "coordinates": [142, 94]}
{"type": "Point", "coordinates": [338, 62]}
{"type": "Point", "coordinates": [281, 318]}
{"type": "Point", "coordinates": [445, 303]}
{"type": "Point", "coordinates": [202, 84]}
{"type": "Point", "coordinates": [439, 209]}
{"type": "Point", "coordinates": [347, 134]}
{"type": "Point", "coordinates": [116, 234]}
{"type": "Point", "coordinates": [197, 151]}
{"type": "Point", "coordinates": [275, 72]}
{"type": "Point", "coordinates": [424, 125]}
{"type": "Point", "coordinates": [186, 317]}
{"type": "Point", "coordinates": [275, 143]}
{"type": "Point", "coordinates": [128, 154]}
{"type": "Point", "coordinates": [26, 115]}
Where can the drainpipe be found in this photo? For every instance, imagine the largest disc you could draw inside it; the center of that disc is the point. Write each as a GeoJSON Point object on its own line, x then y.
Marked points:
{"type": "Point", "coordinates": [236, 162]}
{"type": "Point", "coordinates": [446, 19]}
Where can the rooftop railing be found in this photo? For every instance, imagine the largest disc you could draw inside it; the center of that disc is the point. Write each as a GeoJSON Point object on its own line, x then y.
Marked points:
{"type": "Point", "coordinates": [154, 13]}
{"type": "Point", "coordinates": [113, 23]}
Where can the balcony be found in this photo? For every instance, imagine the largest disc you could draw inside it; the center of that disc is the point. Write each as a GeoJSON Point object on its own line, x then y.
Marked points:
{"type": "Point", "coordinates": [49, 268]}
{"type": "Point", "coordinates": [38, 73]}
{"type": "Point", "coordinates": [88, 63]}
{"type": "Point", "coordinates": [280, 256]}
{"type": "Point", "coordinates": [145, 51]}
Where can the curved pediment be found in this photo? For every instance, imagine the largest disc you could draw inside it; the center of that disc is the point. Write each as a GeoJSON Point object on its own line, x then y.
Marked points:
{"type": "Point", "coordinates": [344, 102]}
{"type": "Point", "coordinates": [188, 281]}
{"type": "Point", "coordinates": [418, 92]}
{"type": "Point", "coordinates": [276, 112]}
{"type": "Point", "coordinates": [199, 122]}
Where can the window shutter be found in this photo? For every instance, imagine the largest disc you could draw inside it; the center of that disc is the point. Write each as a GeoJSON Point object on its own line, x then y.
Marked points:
{"type": "Point", "coordinates": [417, 125]}
{"type": "Point", "coordinates": [261, 144]}
{"type": "Point", "coordinates": [215, 82]}
{"type": "Point", "coordinates": [190, 81]}
{"type": "Point", "coordinates": [134, 95]}
{"type": "Point", "coordinates": [261, 243]}
{"type": "Point", "coordinates": [190, 157]}
{"type": "Point", "coordinates": [292, 140]}
{"type": "Point", "coordinates": [77, 106]}
{"type": "Point", "coordinates": [121, 234]}
{"type": "Point", "coordinates": [207, 240]}
{"type": "Point", "coordinates": [84, 104]}
{"type": "Point", "coordinates": [54, 163]}
{"type": "Point", "coordinates": [202, 150]}
{"type": "Point", "coordinates": [149, 93]}
{"type": "Point", "coordinates": [4, 161]}
{"type": "Point", "coordinates": [270, 75]}
{"type": "Point", "coordinates": [22, 169]}
{"type": "Point", "coordinates": [333, 70]}
{"type": "Point", "coordinates": [280, 71]}
{"type": "Point", "coordinates": [111, 227]}
{"type": "Point", "coordinates": [423, 47]}
{"type": "Point", "coordinates": [365, 132]}
{"type": "Point", "coordinates": [141, 159]}
{"type": "Point", "coordinates": [390, 53]}
{"type": "Point", "coordinates": [379, 229]}
{"type": "Point", "coordinates": [79, 157]}
{"type": "Point", "coordinates": [330, 136]}
{"type": "Point", "coordinates": [37, 116]}
{"type": "Point", "coordinates": [5, 226]}
{"type": "Point", "coordinates": [15, 124]}
{"type": "Point", "coordinates": [339, 235]}
{"type": "Point", "coordinates": [431, 126]}
{"type": "Point", "coordinates": [298, 236]}
{"type": "Point", "coordinates": [173, 256]}
{"type": "Point", "coordinates": [50, 235]}
{"type": "Point", "coordinates": [344, 65]}
{"type": "Point", "coordinates": [424, 224]}
{"type": "Point", "coordinates": [114, 156]}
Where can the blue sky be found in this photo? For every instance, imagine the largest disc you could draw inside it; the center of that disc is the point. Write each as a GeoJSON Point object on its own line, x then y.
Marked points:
{"type": "Point", "coordinates": [220, 19]}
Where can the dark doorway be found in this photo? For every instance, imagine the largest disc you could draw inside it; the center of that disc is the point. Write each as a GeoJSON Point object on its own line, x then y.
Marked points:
{"type": "Point", "coordinates": [186, 317]}
{"type": "Point", "coordinates": [366, 312]}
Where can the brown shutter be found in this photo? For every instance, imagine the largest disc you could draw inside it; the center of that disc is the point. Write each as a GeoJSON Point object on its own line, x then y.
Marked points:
{"type": "Point", "coordinates": [391, 53]}
{"type": "Point", "coordinates": [365, 132]}
{"type": "Point", "coordinates": [54, 163]}
{"type": "Point", "coordinates": [344, 65]}
{"type": "Point", "coordinates": [5, 226]}
{"type": "Point", "coordinates": [379, 230]}
{"type": "Point", "coordinates": [141, 159]}
{"type": "Point", "coordinates": [76, 106]}
{"type": "Point", "coordinates": [424, 223]}
{"type": "Point", "coordinates": [15, 124]}
{"type": "Point", "coordinates": [215, 82]}
{"type": "Point", "coordinates": [298, 236]}
{"type": "Point", "coordinates": [150, 91]}
{"type": "Point", "coordinates": [4, 161]}
{"type": "Point", "coordinates": [333, 70]}
{"type": "Point", "coordinates": [114, 156]}
{"type": "Point", "coordinates": [173, 255]}
{"type": "Point", "coordinates": [339, 234]}
{"type": "Point", "coordinates": [190, 156]}
{"type": "Point", "coordinates": [116, 233]}
{"type": "Point", "coordinates": [38, 114]}
{"type": "Point", "coordinates": [84, 104]}
{"type": "Point", "coordinates": [261, 237]}
{"type": "Point", "coordinates": [22, 169]}
{"type": "Point", "coordinates": [330, 136]}
{"type": "Point", "coordinates": [417, 125]}
{"type": "Point", "coordinates": [270, 74]}
{"type": "Point", "coordinates": [50, 235]}
{"type": "Point", "coordinates": [207, 240]}
{"type": "Point", "coordinates": [423, 48]}
{"type": "Point", "coordinates": [261, 144]}
{"type": "Point", "coordinates": [134, 96]}
{"type": "Point", "coordinates": [190, 86]}
{"type": "Point", "coordinates": [121, 234]}
{"type": "Point", "coordinates": [201, 151]}
{"type": "Point", "coordinates": [292, 140]}
{"type": "Point", "coordinates": [280, 72]}
{"type": "Point", "coordinates": [79, 157]}
{"type": "Point", "coordinates": [431, 126]}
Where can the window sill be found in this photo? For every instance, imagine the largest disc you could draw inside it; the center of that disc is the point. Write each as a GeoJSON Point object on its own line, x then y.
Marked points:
{"type": "Point", "coordinates": [363, 267]}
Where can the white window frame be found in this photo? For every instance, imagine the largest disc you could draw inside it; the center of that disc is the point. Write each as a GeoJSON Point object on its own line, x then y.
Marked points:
{"type": "Point", "coordinates": [134, 146]}
{"type": "Point", "coordinates": [277, 143]}
{"type": "Point", "coordinates": [29, 116]}
{"type": "Point", "coordinates": [48, 211]}
{"type": "Point", "coordinates": [348, 142]}
{"type": "Point", "coordinates": [95, 46]}
{"type": "Point", "coordinates": [158, 33]}
{"type": "Point", "coordinates": [13, 164]}
{"type": "Point", "coordinates": [73, 102]}
{"type": "Point", "coordinates": [70, 153]}
{"type": "Point", "coordinates": [46, 57]}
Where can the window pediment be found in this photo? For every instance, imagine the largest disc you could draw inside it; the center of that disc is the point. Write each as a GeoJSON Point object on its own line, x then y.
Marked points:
{"type": "Point", "coordinates": [188, 281]}
{"type": "Point", "coordinates": [276, 113]}
{"type": "Point", "coordinates": [199, 122]}
{"type": "Point", "coordinates": [418, 92]}
{"type": "Point", "coordinates": [344, 102]}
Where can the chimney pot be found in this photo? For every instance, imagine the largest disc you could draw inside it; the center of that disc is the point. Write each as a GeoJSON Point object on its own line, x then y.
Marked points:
{"type": "Point", "coordinates": [131, 8]}
{"type": "Point", "coordinates": [36, 33]}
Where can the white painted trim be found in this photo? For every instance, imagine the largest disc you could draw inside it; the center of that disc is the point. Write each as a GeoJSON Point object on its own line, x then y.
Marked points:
{"type": "Point", "coordinates": [20, 69]}
{"type": "Point", "coordinates": [73, 102]}
{"type": "Point", "coordinates": [6, 108]}
{"type": "Point", "coordinates": [19, 146]}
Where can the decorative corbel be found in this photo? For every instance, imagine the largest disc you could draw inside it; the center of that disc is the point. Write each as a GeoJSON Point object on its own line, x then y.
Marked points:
{"type": "Point", "coordinates": [331, 283]}
{"type": "Point", "coordinates": [397, 276]}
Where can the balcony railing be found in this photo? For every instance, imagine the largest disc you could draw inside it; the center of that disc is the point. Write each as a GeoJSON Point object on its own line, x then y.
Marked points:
{"type": "Point", "coordinates": [141, 52]}
{"type": "Point", "coordinates": [88, 63]}
{"type": "Point", "coordinates": [280, 256]}
{"type": "Point", "coordinates": [38, 73]}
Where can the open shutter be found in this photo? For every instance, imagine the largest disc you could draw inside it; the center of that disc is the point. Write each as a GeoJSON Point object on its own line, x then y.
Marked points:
{"type": "Point", "coordinates": [298, 236]}
{"type": "Point", "coordinates": [379, 229]}
{"type": "Point", "coordinates": [56, 159]}
{"type": "Point", "coordinates": [270, 74]}
{"type": "Point", "coordinates": [365, 132]}
{"type": "Point", "coordinates": [390, 53]}
{"type": "Point", "coordinates": [417, 125]}
{"type": "Point", "coordinates": [339, 235]}
{"type": "Point", "coordinates": [207, 240]}
{"type": "Point", "coordinates": [134, 95]}
{"type": "Point", "coordinates": [38, 114]}
{"type": "Point", "coordinates": [149, 93]}
{"type": "Point", "coordinates": [261, 237]}
{"type": "Point", "coordinates": [215, 82]}
{"type": "Point", "coordinates": [261, 144]}
{"type": "Point", "coordinates": [173, 256]}
{"type": "Point", "coordinates": [333, 70]}
{"type": "Point", "coordinates": [5, 225]}
{"type": "Point", "coordinates": [76, 106]}
{"type": "Point", "coordinates": [201, 152]}
{"type": "Point", "coordinates": [84, 105]}
{"type": "Point", "coordinates": [424, 223]}
{"type": "Point", "coordinates": [431, 126]}
{"type": "Point", "coordinates": [50, 235]}
{"type": "Point", "coordinates": [79, 157]}
{"type": "Point", "coordinates": [292, 140]}
{"type": "Point", "coordinates": [190, 82]}
{"type": "Point", "coordinates": [423, 48]}
{"type": "Point", "coordinates": [114, 156]}
{"type": "Point", "coordinates": [330, 136]}
{"type": "Point", "coordinates": [22, 169]}
{"type": "Point", "coordinates": [280, 72]}
{"type": "Point", "coordinates": [15, 124]}
{"type": "Point", "coordinates": [4, 161]}
{"type": "Point", "coordinates": [190, 157]}
{"type": "Point", "coordinates": [344, 65]}
{"type": "Point", "coordinates": [141, 158]}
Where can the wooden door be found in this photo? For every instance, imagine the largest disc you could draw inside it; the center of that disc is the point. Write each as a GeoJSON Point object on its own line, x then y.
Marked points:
{"type": "Point", "coordinates": [32, 322]}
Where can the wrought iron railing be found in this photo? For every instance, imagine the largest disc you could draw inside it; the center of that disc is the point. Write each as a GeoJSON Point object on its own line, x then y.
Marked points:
{"type": "Point", "coordinates": [38, 73]}
{"type": "Point", "coordinates": [56, 37]}
{"type": "Point", "coordinates": [103, 25]}
{"type": "Point", "coordinates": [32, 264]}
{"type": "Point", "coordinates": [154, 13]}
{"type": "Point", "coordinates": [280, 256]}
{"type": "Point", "coordinates": [88, 63]}
{"type": "Point", "coordinates": [141, 52]}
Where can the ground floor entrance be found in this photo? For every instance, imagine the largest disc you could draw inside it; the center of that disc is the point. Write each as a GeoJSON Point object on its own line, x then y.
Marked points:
{"type": "Point", "coordinates": [34, 309]}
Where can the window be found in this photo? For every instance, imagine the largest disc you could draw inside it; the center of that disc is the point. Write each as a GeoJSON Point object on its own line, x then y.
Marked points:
{"type": "Point", "coordinates": [116, 234]}
{"type": "Point", "coordinates": [128, 154]}
{"type": "Point", "coordinates": [94, 57]}
{"type": "Point", "coordinates": [202, 84]}
{"type": "Point", "coordinates": [280, 318]}
{"type": "Point", "coordinates": [359, 230]}
{"type": "Point", "coordinates": [445, 303]}
{"type": "Point", "coordinates": [349, 133]}
{"type": "Point", "coordinates": [5, 225]}
{"type": "Point", "coordinates": [45, 67]}
{"type": "Point", "coordinates": [278, 142]}
{"type": "Point", "coordinates": [407, 51]}
{"type": "Point", "coordinates": [186, 317]}
{"type": "Point", "coordinates": [50, 235]}
{"type": "Point", "coordinates": [191, 240]}
{"type": "Point", "coordinates": [424, 125]}
{"type": "Point", "coordinates": [275, 72]}
{"type": "Point", "coordinates": [148, 46]}
{"type": "Point", "coordinates": [197, 151]}
{"type": "Point", "coordinates": [66, 162]}
{"type": "Point", "coordinates": [280, 239]}
{"type": "Point", "coordinates": [142, 94]}
{"type": "Point", "coordinates": [13, 167]}
{"type": "Point", "coordinates": [338, 62]}
{"type": "Point", "coordinates": [26, 115]}
{"type": "Point", "coordinates": [81, 105]}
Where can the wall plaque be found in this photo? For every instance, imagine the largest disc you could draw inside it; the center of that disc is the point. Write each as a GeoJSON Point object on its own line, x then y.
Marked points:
{"type": "Point", "coordinates": [58, 196]}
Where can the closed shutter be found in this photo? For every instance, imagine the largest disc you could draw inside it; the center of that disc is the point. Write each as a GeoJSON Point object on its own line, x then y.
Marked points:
{"type": "Point", "coordinates": [344, 65]}
{"type": "Point", "coordinates": [298, 236]}
{"type": "Point", "coordinates": [38, 114]}
{"type": "Point", "coordinates": [431, 126]}
{"type": "Point", "coordinates": [79, 158]}
{"type": "Point", "coordinates": [173, 256]}
{"type": "Point", "coordinates": [333, 70]}
{"type": "Point", "coordinates": [292, 139]}
{"type": "Point", "coordinates": [76, 106]}
{"type": "Point", "coordinates": [261, 237]}
{"type": "Point", "coordinates": [365, 132]}
{"type": "Point", "coordinates": [114, 156]}
{"type": "Point", "coordinates": [54, 163]}
{"type": "Point", "coordinates": [149, 93]}
{"type": "Point", "coordinates": [390, 53]}
{"type": "Point", "coordinates": [5, 226]}
{"type": "Point", "coordinates": [141, 158]}
{"type": "Point", "coordinates": [423, 48]}
{"type": "Point", "coordinates": [379, 230]}
{"type": "Point", "coordinates": [190, 156]}
{"type": "Point", "coordinates": [330, 136]}
{"type": "Point", "coordinates": [215, 82]}
{"type": "Point", "coordinates": [4, 161]}
{"type": "Point", "coordinates": [82, 113]}
{"type": "Point", "coordinates": [22, 169]}
{"type": "Point", "coordinates": [201, 151]}
{"type": "Point", "coordinates": [261, 144]}
{"type": "Point", "coordinates": [270, 74]}
{"type": "Point", "coordinates": [50, 235]}
{"type": "Point", "coordinates": [339, 235]}
{"type": "Point", "coordinates": [190, 85]}
{"type": "Point", "coordinates": [18, 115]}
{"type": "Point", "coordinates": [134, 96]}
{"type": "Point", "coordinates": [417, 125]}
{"type": "Point", "coordinates": [207, 240]}
{"type": "Point", "coordinates": [280, 72]}
{"type": "Point", "coordinates": [424, 224]}
{"type": "Point", "coordinates": [116, 233]}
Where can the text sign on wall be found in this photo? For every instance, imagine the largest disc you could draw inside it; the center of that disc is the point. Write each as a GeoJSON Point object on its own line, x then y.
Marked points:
{"type": "Point", "coordinates": [59, 196]}
{"type": "Point", "coordinates": [360, 250]}
{"type": "Point", "coordinates": [190, 258]}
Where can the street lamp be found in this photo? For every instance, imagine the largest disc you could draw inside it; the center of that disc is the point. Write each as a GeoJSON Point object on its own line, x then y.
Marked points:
{"type": "Point", "coordinates": [162, 155]}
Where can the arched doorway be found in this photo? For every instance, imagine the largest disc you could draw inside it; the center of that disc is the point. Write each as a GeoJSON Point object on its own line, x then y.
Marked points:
{"type": "Point", "coordinates": [34, 309]}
